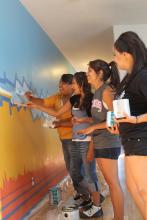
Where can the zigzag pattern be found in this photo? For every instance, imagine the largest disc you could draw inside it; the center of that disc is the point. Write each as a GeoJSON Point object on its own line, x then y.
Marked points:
{"type": "Point", "coordinates": [9, 86]}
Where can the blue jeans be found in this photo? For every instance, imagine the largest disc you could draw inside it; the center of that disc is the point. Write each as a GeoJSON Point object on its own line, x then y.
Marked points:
{"type": "Point", "coordinates": [88, 182]}
{"type": "Point", "coordinates": [67, 147]}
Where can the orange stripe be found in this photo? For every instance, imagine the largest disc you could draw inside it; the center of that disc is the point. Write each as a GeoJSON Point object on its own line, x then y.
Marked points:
{"type": "Point", "coordinates": [35, 199]}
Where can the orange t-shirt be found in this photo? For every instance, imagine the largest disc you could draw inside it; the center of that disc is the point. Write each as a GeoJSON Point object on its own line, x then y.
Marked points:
{"type": "Point", "coordinates": [55, 102]}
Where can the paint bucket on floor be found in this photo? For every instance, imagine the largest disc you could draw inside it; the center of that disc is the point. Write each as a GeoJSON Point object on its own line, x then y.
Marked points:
{"type": "Point", "coordinates": [55, 195]}
{"type": "Point", "coordinates": [70, 213]}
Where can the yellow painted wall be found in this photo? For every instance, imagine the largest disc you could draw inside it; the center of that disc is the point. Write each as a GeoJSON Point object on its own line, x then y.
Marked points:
{"type": "Point", "coordinates": [24, 144]}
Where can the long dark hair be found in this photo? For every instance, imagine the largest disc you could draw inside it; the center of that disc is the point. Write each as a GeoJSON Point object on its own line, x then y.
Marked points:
{"type": "Point", "coordinates": [131, 43]}
{"type": "Point", "coordinates": [110, 72]}
{"type": "Point", "coordinates": [82, 82]}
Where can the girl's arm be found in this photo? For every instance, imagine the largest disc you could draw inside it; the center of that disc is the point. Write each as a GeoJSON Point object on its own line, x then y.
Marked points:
{"type": "Point", "coordinates": [31, 98]}
{"type": "Point", "coordinates": [50, 111]}
{"type": "Point", "coordinates": [77, 120]}
{"type": "Point", "coordinates": [107, 97]}
{"type": "Point", "coordinates": [141, 118]}
{"type": "Point", "coordinates": [67, 122]}
{"type": "Point", "coordinates": [92, 128]}
{"type": "Point", "coordinates": [133, 119]}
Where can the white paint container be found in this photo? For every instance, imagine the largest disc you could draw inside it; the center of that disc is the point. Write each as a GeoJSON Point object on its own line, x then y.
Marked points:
{"type": "Point", "coordinates": [70, 213]}
{"type": "Point", "coordinates": [120, 107]}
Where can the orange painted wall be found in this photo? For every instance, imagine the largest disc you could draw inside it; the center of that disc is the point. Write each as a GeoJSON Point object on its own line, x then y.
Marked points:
{"type": "Point", "coordinates": [28, 151]}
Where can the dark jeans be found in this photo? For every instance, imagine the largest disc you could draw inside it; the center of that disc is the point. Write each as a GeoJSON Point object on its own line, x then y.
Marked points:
{"type": "Point", "coordinates": [67, 146]}
{"type": "Point", "coordinates": [88, 182]}
{"type": "Point", "coordinates": [82, 173]}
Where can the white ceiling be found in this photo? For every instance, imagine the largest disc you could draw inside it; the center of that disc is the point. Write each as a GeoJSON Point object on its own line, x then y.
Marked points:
{"type": "Point", "coordinates": [82, 29]}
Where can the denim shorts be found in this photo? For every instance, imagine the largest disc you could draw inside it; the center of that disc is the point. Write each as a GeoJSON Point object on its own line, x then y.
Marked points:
{"type": "Point", "coordinates": [135, 146]}
{"type": "Point", "coordinates": [108, 153]}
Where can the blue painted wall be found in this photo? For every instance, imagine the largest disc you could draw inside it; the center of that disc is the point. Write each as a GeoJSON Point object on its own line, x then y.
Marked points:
{"type": "Point", "coordinates": [27, 55]}
{"type": "Point", "coordinates": [26, 50]}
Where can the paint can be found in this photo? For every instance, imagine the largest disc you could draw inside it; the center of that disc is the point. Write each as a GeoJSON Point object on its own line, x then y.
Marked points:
{"type": "Point", "coordinates": [70, 213]}
{"type": "Point", "coordinates": [55, 195]}
{"type": "Point", "coordinates": [110, 119]}
{"type": "Point", "coordinates": [120, 107]}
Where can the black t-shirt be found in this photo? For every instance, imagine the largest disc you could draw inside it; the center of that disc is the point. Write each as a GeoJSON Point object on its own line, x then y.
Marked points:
{"type": "Point", "coordinates": [75, 101]}
{"type": "Point", "coordinates": [136, 92]}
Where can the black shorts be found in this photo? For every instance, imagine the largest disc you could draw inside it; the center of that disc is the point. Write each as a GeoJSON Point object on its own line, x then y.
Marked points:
{"type": "Point", "coordinates": [135, 146]}
{"type": "Point", "coordinates": [108, 153]}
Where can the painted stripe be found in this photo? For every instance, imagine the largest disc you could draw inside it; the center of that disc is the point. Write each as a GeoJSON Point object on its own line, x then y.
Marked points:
{"type": "Point", "coordinates": [31, 196]}
{"type": "Point", "coordinates": [16, 202]}
{"type": "Point", "coordinates": [40, 204]}
{"type": "Point", "coordinates": [23, 191]}
{"type": "Point", "coordinates": [19, 188]}
{"type": "Point", "coordinates": [20, 195]}
{"type": "Point", "coordinates": [6, 99]}
{"type": "Point", "coordinates": [26, 184]}
{"type": "Point", "coordinates": [7, 81]}
{"type": "Point", "coordinates": [37, 206]}
{"type": "Point", "coordinates": [7, 93]}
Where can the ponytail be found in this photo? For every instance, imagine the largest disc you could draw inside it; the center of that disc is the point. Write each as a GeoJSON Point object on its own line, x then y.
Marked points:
{"type": "Point", "coordinates": [110, 71]}
{"type": "Point", "coordinates": [114, 76]}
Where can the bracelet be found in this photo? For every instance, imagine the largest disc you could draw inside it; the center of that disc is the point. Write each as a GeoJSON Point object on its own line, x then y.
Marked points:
{"type": "Point", "coordinates": [136, 120]}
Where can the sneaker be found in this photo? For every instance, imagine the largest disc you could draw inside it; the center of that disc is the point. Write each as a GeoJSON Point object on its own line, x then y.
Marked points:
{"type": "Point", "coordinates": [102, 198]}
{"type": "Point", "coordinates": [77, 196]}
{"type": "Point", "coordinates": [85, 203]}
{"type": "Point", "coordinates": [93, 212]}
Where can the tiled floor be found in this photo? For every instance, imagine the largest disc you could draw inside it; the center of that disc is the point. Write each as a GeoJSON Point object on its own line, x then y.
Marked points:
{"type": "Point", "coordinates": [48, 212]}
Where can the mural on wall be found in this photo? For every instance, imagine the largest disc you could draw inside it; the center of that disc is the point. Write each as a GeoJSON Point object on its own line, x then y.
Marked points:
{"type": "Point", "coordinates": [31, 158]}
{"type": "Point", "coordinates": [28, 59]}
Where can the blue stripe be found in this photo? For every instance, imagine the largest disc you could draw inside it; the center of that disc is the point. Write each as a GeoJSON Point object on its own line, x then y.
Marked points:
{"type": "Point", "coordinates": [12, 201]}
{"type": "Point", "coordinates": [8, 100]}
{"type": "Point", "coordinates": [9, 194]}
{"type": "Point", "coordinates": [5, 80]}
{"type": "Point", "coordinates": [25, 217]}
{"type": "Point", "coordinates": [26, 200]}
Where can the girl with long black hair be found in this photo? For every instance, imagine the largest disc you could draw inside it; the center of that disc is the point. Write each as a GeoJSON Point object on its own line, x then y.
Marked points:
{"type": "Point", "coordinates": [130, 54]}
{"type": "Point", "coordinates": [104, 78]}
